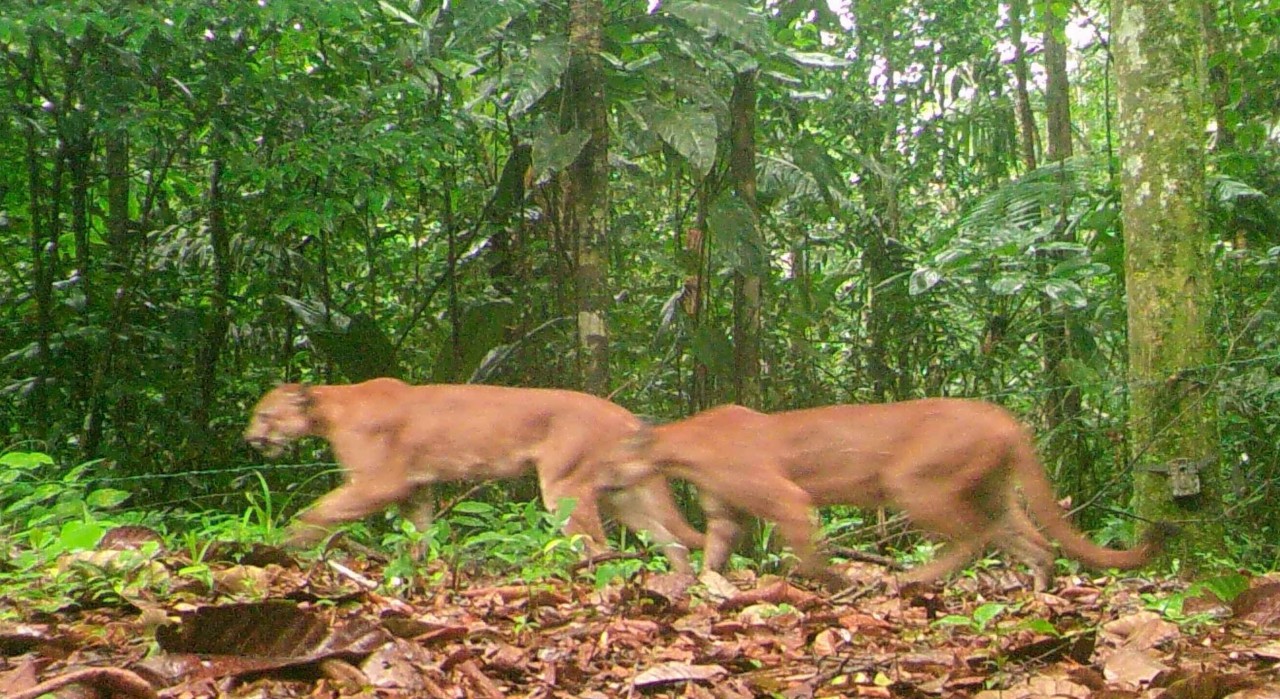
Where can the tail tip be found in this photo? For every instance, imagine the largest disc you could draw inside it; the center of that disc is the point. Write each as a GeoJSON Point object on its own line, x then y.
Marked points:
{"type": "Point", "coordinates": [1158, 534]}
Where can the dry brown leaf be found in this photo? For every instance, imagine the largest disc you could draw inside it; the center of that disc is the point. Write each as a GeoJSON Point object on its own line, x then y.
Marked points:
{"type": "Point", "coordinates": [718, 588]}
{"type": "Point", "coordinates": [130, 537]}
{"type": "Point", "coordinates": [24, 676]}
{"type": "Point", "coordinates": [481, 685]}
{"type": "Point", "coordinates": [1209, 685]}
{"type": "Point", "coordinates": [671, 587]}
{"type": "Point", "coordinates": [1039, 686]}
{"type": "Point", "coordinates": [1269, 650]}
{"type": "Point", "coordinates": [1271, 691]}
{"type": "Point", "coordinates": [399, 664]}
{"type": "Point", "coordinates": [777, 592]}
{"type": "Point", "coordinates": [1140, 631]}
{"type": "Point", "coordinates": [1132, 667]}
{"type": "Point", "coordinates": [1259, 605]}
{"type": "Point", "coordinates": [671, 673]}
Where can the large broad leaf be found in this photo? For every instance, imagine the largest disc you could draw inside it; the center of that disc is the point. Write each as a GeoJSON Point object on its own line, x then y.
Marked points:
{"type": "Point", "coordinates": [712, 348]}
{"type": "Point", "coordinates": [481, 327]}
{"type": "Point", "coordinates": [25, 460]}
{"type": "Point", "coordinates": [1009, 284]}
{"type": "Point", "coordinates": [1066, 292]}
{"type": "Point", "coordinates": [553, 152]}
{"type": "Point", "coordinates": [737, 235]}
{"type": "Point", "coordinates": [499, 354]}
{"type": "Point", "coordinates": [814, 160]}
{"type": "Point", "coordinates": [1023, 202]}
{"type": "Point", "coordinates": [734, 20]}
{"type": "Point", "coordinates": [355, 344]}
{"type": "Point", "coordinates": [539, 73]}
{"type": "Point", "coordinates": [690, 131]}
{"type": "Point", "coordinates": [476, 23]}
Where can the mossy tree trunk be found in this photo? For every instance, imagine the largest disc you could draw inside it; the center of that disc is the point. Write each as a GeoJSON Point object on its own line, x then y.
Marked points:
{"type": "Point", "coordinates": [588, 190]}
{"type": "Point", "coordinates": [1160, 72]}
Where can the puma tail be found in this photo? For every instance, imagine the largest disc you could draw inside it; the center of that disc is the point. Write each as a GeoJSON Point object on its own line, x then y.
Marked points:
{"type": "Point", "coordinates": [1043, 505]}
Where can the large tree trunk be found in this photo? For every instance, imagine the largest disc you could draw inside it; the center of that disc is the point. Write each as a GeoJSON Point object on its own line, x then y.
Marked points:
{"type": "Point", "coordinates": [588, 196]}
{"type": "Point", "coordinates": [1159, 78]}
{"type": "Point", "coordinates": [746, 282]}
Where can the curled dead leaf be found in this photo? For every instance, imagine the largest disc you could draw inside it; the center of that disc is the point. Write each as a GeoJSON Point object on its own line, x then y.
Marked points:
{"type": "Point", "coordinates": [671, 673]}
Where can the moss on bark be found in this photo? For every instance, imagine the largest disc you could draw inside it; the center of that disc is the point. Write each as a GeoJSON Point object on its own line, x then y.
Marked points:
{"type": "Point", "coordinates": [1160, 72]}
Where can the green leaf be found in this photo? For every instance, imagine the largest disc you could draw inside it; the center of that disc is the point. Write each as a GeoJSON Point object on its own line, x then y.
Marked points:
{"type": "Point", "coordinates": [1066, 292]}
{"type": "Point", "coordinates": [1009, 284]}
{"type": "Point", "coordinates": [985, 613]}
{"type": "Point", "coordinates": [954, 620]}
{"type": "Point", "coordinates": [553, 152]}
{"type": "Point", "coordinates": [711, 346]}
{"type": "Point", "coordinates": [81, 535]}
{"type": "Point", "coordinates": [398, 13]}
{"type": "Point", "coordinates": [25, 460]}
{"type": "Point", "coordinates": [814, 160]}
{"type": "Point", "coordinates": [690, 131]}
{"type": "Point", "coordinates": [539, 73]}
{"type": "Point", "coordinates": [813, 59]}
{"type": "Point", "coordinates": [922, 280]}
{"type": "Point", "coordinates": [737, 236]}
{"type": "Point", "coordinates": [103, 498]}
{"type": "Point", "coordinates": [473, 507]}
{"type": "Point", "coordinates": [1043, 626]}
{"type": "Point", "coordinates": [733, 20]}
{"type": "Point", "coordinates": [1226, 587]}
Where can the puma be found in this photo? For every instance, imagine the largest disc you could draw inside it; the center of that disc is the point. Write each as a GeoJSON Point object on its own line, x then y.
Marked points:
{"type": "Point", "coordinates": [394, 440]}
{"type": "Point", "coordinates": [950, 465]}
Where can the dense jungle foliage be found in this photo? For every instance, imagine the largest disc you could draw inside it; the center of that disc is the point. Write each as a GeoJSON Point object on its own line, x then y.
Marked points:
{"type": "Point", "coordinates": [807, 203]}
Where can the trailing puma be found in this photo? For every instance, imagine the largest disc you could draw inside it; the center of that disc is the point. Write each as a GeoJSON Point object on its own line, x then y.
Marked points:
{"type": "Point", "coordinates": [950, 464]}
{"type": "Point", "coordinates": [393, 440]}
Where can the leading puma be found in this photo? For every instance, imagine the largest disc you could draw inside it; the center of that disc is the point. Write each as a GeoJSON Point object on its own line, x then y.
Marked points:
{"type": "Point", "coordinates": [393, 440]}
{"type": "Point", "coordinates": [950, 464]}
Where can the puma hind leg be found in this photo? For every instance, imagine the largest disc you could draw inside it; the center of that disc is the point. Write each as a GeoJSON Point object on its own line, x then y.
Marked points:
{"type": "Point", "coordinates": [1025, 542]}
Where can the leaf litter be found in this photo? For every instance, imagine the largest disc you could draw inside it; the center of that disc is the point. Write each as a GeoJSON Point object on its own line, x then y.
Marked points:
{"type": "Point", "coordinates": [281, 629]}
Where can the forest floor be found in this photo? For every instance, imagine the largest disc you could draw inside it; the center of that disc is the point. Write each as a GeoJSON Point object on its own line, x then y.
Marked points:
{"type": "Point", "coordinates": [270, 626]}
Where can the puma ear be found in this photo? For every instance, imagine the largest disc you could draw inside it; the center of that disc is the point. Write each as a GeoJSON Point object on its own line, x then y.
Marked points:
{"type": "Point", "coordinates": [299, 395]}
{"type": "Point", "coordinates": [304, 398]}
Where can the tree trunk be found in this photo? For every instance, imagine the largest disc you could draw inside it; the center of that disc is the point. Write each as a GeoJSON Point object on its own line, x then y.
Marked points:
{"type": "Point", "coordinates": [1168, 268]}
{"type": "Point", "coordinates": [1226, 119]}
{"type": "Point", "coordinates": [43, 251]}
{"type": "Point", "coordinates": [217, 318]}
{"type": "Point", "coordinates": [1062, 409]}
{"type": "Point", "coordinates": [746, 282]}
{"type": "Point", "coordinates": [120, 242]}
{"type": "Point", "coordinates": [887, 304]}
{"type": "Point", "coordinates": [81, 350]}
{"type": "Point", "coordinates": [588, 196]}
{"type": "Point", "coordinates": [1022, 99]}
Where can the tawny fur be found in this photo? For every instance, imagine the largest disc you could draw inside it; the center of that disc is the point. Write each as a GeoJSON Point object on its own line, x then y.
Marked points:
{"type": "Point", "coordinates": [393, 440]}
{"type": "Point", "coordinates": [951, 465]}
